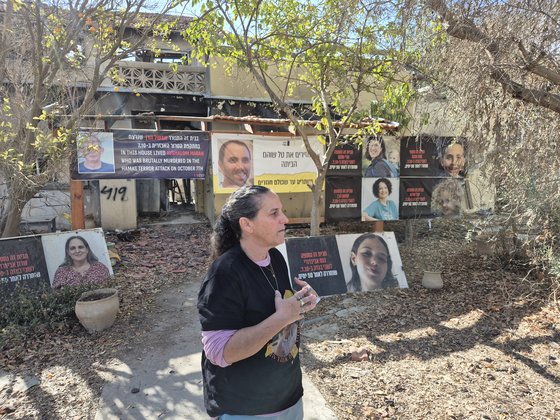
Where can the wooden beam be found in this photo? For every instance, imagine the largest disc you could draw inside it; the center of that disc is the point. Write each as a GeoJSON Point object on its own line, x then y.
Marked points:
{"type": "Point", "coordinates": [77, 204]}
{"type": "Point", "coordinates": [378, 226]}
{"type": "Point", "coordinates": [302, 220]}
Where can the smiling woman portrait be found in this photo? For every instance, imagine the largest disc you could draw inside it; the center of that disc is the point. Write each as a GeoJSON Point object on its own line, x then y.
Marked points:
{"type": "Point", "coordinates": [246, 306]}
{"type": "Point", "coordinates": [376, 152]}
{"type": "Point", "coordinates": [382, 208]}
{"type": "Point", "coordinates": [80, 265]}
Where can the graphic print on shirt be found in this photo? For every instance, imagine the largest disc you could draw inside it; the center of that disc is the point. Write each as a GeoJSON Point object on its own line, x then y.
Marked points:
{"type": "Point", "coordinates": [284, 346]}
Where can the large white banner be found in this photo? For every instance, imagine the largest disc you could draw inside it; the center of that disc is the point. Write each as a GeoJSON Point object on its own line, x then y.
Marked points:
{"type": "Point", "coordinates": [283, 164]}
{"type": "Point", "coordinates": [279, 163]}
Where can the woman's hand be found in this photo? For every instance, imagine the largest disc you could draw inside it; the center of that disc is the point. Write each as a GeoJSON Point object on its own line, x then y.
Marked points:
{"type": "Point", "coordinates": [295, 307]}
{"type": "Point", "coordinates": [310, 290]}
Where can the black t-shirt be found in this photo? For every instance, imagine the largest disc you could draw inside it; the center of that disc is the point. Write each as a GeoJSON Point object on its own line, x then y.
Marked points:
{"type": "Point", "coordinates": [236, 294]}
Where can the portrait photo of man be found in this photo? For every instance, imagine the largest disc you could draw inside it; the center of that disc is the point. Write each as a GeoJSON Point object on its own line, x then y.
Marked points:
{"type": "Point", "coordinates": [235, 164]}
{"type": "Point", "coordinates": [451, 158]}
{"type": "Point", "coordinates": [95, 153]}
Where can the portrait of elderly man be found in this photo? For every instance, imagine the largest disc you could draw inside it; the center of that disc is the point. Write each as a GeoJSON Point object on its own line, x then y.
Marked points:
{"type": "Point", "coordinates": [235, 164]}
{"type": "Point", "coordinates": [451, 158]}
{"type": "Point", "coordinates": [90, 151]}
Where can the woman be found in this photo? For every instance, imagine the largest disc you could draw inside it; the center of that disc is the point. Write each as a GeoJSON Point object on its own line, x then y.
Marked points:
{"type": "Point", "coordinates": [80, 265]}
{"type": "Point", "coordinates": [382, 208]}
{"type": "Point", "coordinates": [245, 303]}
{"type": "Point", "coordinates": [379, 166]}
{"type": "Point", "coordinates": [447, 198]}
{"type": "Point", "coordinates": [371, 264]}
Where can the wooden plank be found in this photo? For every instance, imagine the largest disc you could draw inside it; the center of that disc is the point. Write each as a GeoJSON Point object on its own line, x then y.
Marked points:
{"type": "Point", "coordinates": [77, 204]}
{"type": "Point", "coordinates": [302, 220]}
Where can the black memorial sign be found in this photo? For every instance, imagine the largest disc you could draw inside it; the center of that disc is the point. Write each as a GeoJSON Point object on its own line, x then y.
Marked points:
{"type": "Point", "coordinates": [316, 260]}
{"type": "Point", "coordinates": [343, 197]}
{"type": "Point", "coordinates": [346, 160]}
{"type": "Point", "coordinates": [418, 156]}
{"type": "Point", "coordinates": [22, 261]}
{"type": "Point", "coordinates": [415, 197]}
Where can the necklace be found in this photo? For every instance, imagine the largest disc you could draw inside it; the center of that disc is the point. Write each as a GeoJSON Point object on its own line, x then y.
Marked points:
{"type": "Point", "coordinates": [273, 276]}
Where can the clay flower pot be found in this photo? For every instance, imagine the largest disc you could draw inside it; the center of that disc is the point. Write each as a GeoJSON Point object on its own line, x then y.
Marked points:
{"type": "Point", "coordinates": [432, 280]}
{"type": "Point", "coordinates": [97, 309]}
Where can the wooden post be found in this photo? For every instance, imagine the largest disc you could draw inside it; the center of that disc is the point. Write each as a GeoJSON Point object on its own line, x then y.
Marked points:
{"type": "Point", "coordinates": [378, 226]}
{"type": "Point", "coordinates": [77, 204]}
{"type": "Point", "coordinates": [409, 233]}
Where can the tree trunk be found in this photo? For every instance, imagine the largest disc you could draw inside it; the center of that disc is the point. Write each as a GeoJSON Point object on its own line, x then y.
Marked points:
{"type": "Point", "coordinates": [13, 219]}
{"type": "Point", "coordinates": [14, 209]}
{"type": "Point", "coordinates": [315, 226]}
{"type": "Point", "coordinates": [409, 233]}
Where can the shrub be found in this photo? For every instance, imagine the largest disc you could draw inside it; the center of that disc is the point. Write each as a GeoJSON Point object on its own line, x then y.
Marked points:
{"type": "Point", "coordinates": [26, 310]}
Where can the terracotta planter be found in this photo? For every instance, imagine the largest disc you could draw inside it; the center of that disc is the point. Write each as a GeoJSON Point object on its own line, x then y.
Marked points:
{"type": "Point", "coordinates": [97, 309]}
{"type": "Point", "coordinates": [432, 280]}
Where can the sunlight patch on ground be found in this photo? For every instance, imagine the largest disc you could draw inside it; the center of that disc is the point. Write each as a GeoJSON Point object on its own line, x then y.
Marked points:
{"type": "Point", "coordinates": [408, 335]}
{"type": "Point", "coordinates": [468, 320]}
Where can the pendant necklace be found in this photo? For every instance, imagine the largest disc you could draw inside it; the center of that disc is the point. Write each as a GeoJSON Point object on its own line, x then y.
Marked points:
{"type": "Point", "coordinates": [273, 276]}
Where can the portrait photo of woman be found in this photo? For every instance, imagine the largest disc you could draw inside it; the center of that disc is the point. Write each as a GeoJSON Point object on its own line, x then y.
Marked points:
{"type": "Point", "coordinates": [75, 258]}
{"type": "Point", "coordinates": [371, 261]}
{"type": "Point", "coordinates": [384, 206]}
{"type": "Point", "coordinates": [375, 151]}
{"type": "Point", "coordinates": [371, 264]}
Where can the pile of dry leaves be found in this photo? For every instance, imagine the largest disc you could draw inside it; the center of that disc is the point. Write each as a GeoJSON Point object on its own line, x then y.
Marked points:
{"type": "Point", "coordinates": [484, 346]}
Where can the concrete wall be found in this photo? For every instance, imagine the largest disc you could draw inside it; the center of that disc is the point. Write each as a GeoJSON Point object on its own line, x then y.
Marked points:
{"type": "Point", "coordinates": [118, 204]}
{"type": "Point", "coordinates": [240, 84]}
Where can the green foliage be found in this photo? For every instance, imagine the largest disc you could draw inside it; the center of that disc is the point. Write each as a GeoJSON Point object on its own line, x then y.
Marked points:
{"type": "Point", "coordinates": [338, 50]}
{"type": "Point", "coordinates": [334, 51]}
{"type": "Point", "coordinates": [26, 309]}
{"type": "Point", "coordinates": [394, 105]}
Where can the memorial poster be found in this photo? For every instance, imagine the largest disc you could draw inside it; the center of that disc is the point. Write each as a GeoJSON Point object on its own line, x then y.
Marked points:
{"type": "Point", "coordinates": [343, 198]}
{"type": "Point", "coordinates": [232, 161]}
{"type": "Point", "coordinates": [58, 253]}
{"type": "Point", "coordinates": [416, 197]}
{"type": "Point", "coordinates": [22, 261]}
{"type": "Point", "coordinates": [126, 154]}
{"type": "Point", "coordinates": [338, 264]}
{"type": "Point", "coordinates": [380, 199]}
{"type": "Point", "coordinates": [345, 160]}
{"type": "Point", "coordinates": [284, 165]}
{"type": "Point", "coordinates": [315, 260]}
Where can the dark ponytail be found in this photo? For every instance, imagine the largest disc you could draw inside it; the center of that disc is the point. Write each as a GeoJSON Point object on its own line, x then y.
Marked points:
{"type": "Point", "coordinates": [244, 202]}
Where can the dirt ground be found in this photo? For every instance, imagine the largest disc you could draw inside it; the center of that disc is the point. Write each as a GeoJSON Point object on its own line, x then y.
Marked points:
{"type": "Point", "coordinates": [485, 346]}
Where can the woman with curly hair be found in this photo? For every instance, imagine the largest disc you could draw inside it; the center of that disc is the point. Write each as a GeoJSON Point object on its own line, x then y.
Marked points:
{"type": "Point", "coordinates": [382, 208]}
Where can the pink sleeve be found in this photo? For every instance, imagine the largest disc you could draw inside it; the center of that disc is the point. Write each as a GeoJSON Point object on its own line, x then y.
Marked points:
{"type": "Point", "coordinates": [214, 343]}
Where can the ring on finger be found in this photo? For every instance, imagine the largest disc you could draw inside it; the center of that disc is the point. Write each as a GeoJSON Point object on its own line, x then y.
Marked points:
{"type": "Point", "coordinates": [301, 303]}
